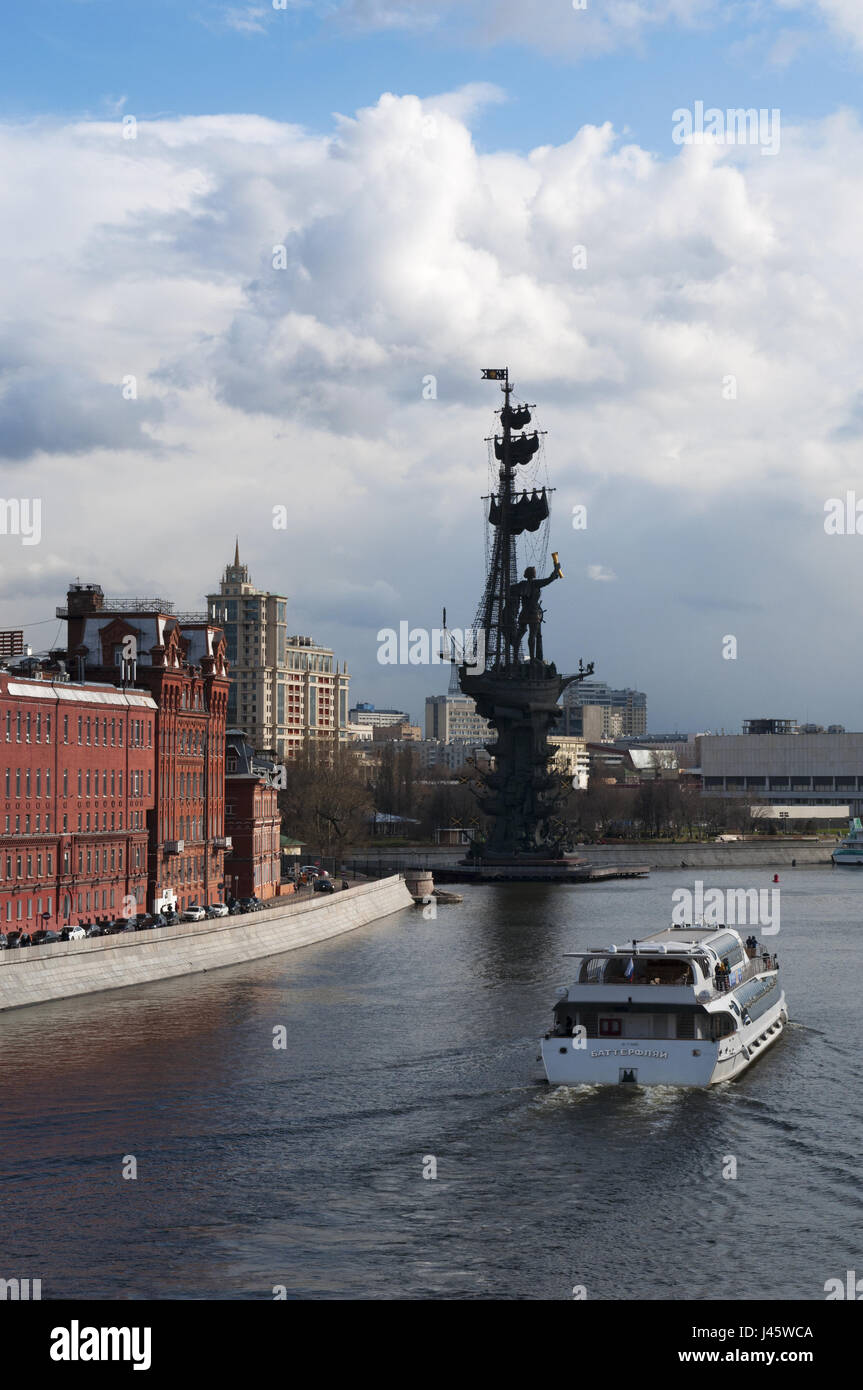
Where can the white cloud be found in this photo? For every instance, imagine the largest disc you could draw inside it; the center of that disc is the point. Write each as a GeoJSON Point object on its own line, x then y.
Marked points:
{"type": "Point", "coordinates": [553, 26]}
{"type": "Point", "coordinates": [411, 254]}
{"type": "Point", "coordinates": [556, 27]}
{"type": "Point", "coordinates": [846, 16]}
{"type": "Point", "coordinates": [601, 574]}
{"type": "Point", "coordinates": [247, 20]}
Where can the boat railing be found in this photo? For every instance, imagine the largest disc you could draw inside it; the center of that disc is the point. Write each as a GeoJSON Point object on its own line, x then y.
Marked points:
{"type": "Point", "coordinates": [756, 965]}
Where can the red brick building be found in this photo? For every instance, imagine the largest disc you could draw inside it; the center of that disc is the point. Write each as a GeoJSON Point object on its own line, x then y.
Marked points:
{"type": "Point", "coordinates": [253, 822]}
{"type": "Point", "coordinates": [77, 774]}
{"type": "Point", "coordinates": [180, 660]}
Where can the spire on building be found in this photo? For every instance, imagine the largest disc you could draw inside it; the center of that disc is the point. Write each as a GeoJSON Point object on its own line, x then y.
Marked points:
{"type": "Point", "coordinates": [237, 551]}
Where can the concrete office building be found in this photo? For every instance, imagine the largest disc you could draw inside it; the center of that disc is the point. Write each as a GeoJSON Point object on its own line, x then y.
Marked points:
{"type": "Point", "coordinates": [453, 719]}
{"type": "Point", "coordinates": [369, 717]}
{"type": "Point", "coordinates": [434, 753]}
{"type": "Point", "coordinates": [624, 711]}
{"type": "Point", "coordinates": [793, 769]}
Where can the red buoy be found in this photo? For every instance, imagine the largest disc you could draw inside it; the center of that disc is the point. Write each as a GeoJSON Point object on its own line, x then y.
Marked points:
{"type": "Point", "coordinates": [775, 878]}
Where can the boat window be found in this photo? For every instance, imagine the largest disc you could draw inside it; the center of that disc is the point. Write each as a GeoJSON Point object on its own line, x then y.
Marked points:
{"type": "Point", "coordinates": [729, 949]}
{"type": "Point", "coordinates": [757, 996]}
{"type": "Point", "coordinates": [645, 970]}
{"type": "Point", "coordinates": [591, 970]}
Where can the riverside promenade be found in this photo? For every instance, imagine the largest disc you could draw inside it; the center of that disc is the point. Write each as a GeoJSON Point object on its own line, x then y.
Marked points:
{"type": "Point", "coordinates": [35, 974]}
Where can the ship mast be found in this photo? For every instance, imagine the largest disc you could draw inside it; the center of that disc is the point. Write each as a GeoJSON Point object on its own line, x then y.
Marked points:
{"type": "Point", "coordinates": [508, 558]}
{"type": "Point", "coordinates": [501, 652]}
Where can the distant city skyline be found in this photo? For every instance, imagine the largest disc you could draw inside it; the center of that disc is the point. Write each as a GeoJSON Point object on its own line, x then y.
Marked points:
{"type": "Point", "coordinates": [381, 686]}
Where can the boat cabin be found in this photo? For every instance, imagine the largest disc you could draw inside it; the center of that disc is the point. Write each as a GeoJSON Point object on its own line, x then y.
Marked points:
{"type": "Point", "coordinates": [611, 996]}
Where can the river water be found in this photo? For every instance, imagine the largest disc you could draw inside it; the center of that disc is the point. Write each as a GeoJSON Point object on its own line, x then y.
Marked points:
{"type": "Point", "coordinates": [302, 1166]}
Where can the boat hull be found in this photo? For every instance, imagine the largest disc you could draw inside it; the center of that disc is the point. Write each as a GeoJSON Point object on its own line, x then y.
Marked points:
{"type": "Point", "coordinates": [661, 1062]}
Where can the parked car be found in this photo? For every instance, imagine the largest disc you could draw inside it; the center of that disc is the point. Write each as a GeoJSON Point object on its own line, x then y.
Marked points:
{"type": "Point", "coordinates": [324, 885]}
{"type": "Point", "coordinates": [158, 919]}
{"type": "Point", "coordinates": [217, 909]}
{"type": "Point", "coordinates": [236, 909]}
{"type": "Point", "coordinates": [72, 933]}
{"type": "Point", "coordinates": [120, 925]}
{"type": "Point", "coordinates": [45, 938]}
{"type": "Point", "coordinates": [194, 913]}
{"type": "Point", "coordinates": [96, 929]}
{"type": "Point", "coordinates": [171, 918]}
{"type": "Point", "coordinates": [144, 921]}
{"type": "Point", "coordinates": [19, 938]}
{"type": "Point", "coordinates": [310, 870]}
{"type": "Point", "coordinates": [249, 904]}
{"type": "Point", "coordinates": [3, 941]}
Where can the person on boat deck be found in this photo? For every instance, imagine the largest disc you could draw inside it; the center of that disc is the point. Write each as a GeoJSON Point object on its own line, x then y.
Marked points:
{"type": "Point", "coordinates": [717, 975]}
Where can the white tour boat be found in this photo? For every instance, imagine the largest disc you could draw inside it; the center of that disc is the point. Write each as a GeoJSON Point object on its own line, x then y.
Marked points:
{"type": "Point", "coordinates": [850, 850]}
{"type": "Point", "coordinates": [656, 1013]}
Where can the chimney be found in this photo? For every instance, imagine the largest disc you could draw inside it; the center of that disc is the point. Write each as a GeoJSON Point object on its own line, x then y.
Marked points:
{"type": "Point", "coordinates": [84, 598]}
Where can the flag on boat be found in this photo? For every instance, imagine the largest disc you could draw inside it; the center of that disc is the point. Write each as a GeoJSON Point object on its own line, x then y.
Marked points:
{"type": "Point", "coordinates": [630, 969]}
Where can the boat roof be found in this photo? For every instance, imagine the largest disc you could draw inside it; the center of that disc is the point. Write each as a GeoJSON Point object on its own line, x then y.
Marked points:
{"type": "Point", "coordinates": [697, 935]}
{"type": "Point", "coordinates": [680, 937]}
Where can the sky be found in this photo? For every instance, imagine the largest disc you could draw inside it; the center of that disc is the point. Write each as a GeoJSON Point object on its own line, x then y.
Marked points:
{"type": "Point", "coordinates": [254, 257]}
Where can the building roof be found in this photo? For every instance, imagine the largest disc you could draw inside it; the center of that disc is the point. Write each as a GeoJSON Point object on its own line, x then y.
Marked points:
{"type": "Point", "coordinates": [82, 694]}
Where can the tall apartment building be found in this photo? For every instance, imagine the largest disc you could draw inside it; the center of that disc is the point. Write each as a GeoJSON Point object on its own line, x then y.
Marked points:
{"type": "Point", "coordinates": [453, 719]}
{"type": "Point", "coordinates": [179, 658]}
{"type": "Point", "coordinates": [76, 792]}
{"type": "Point", "coordinates": [285, 690]}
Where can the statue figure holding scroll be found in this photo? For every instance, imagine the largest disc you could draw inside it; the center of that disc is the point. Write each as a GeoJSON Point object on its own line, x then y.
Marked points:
{"type": "Point", "coordinates": [530, 610]}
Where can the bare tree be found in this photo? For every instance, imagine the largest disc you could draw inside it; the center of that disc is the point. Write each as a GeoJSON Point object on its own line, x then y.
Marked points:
{"type": "Point", "coordinates": [327, 802]}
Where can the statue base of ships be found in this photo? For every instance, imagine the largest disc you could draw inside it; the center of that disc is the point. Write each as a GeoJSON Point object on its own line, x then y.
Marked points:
{"type": "Point", "coordinates": [517, 690]}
